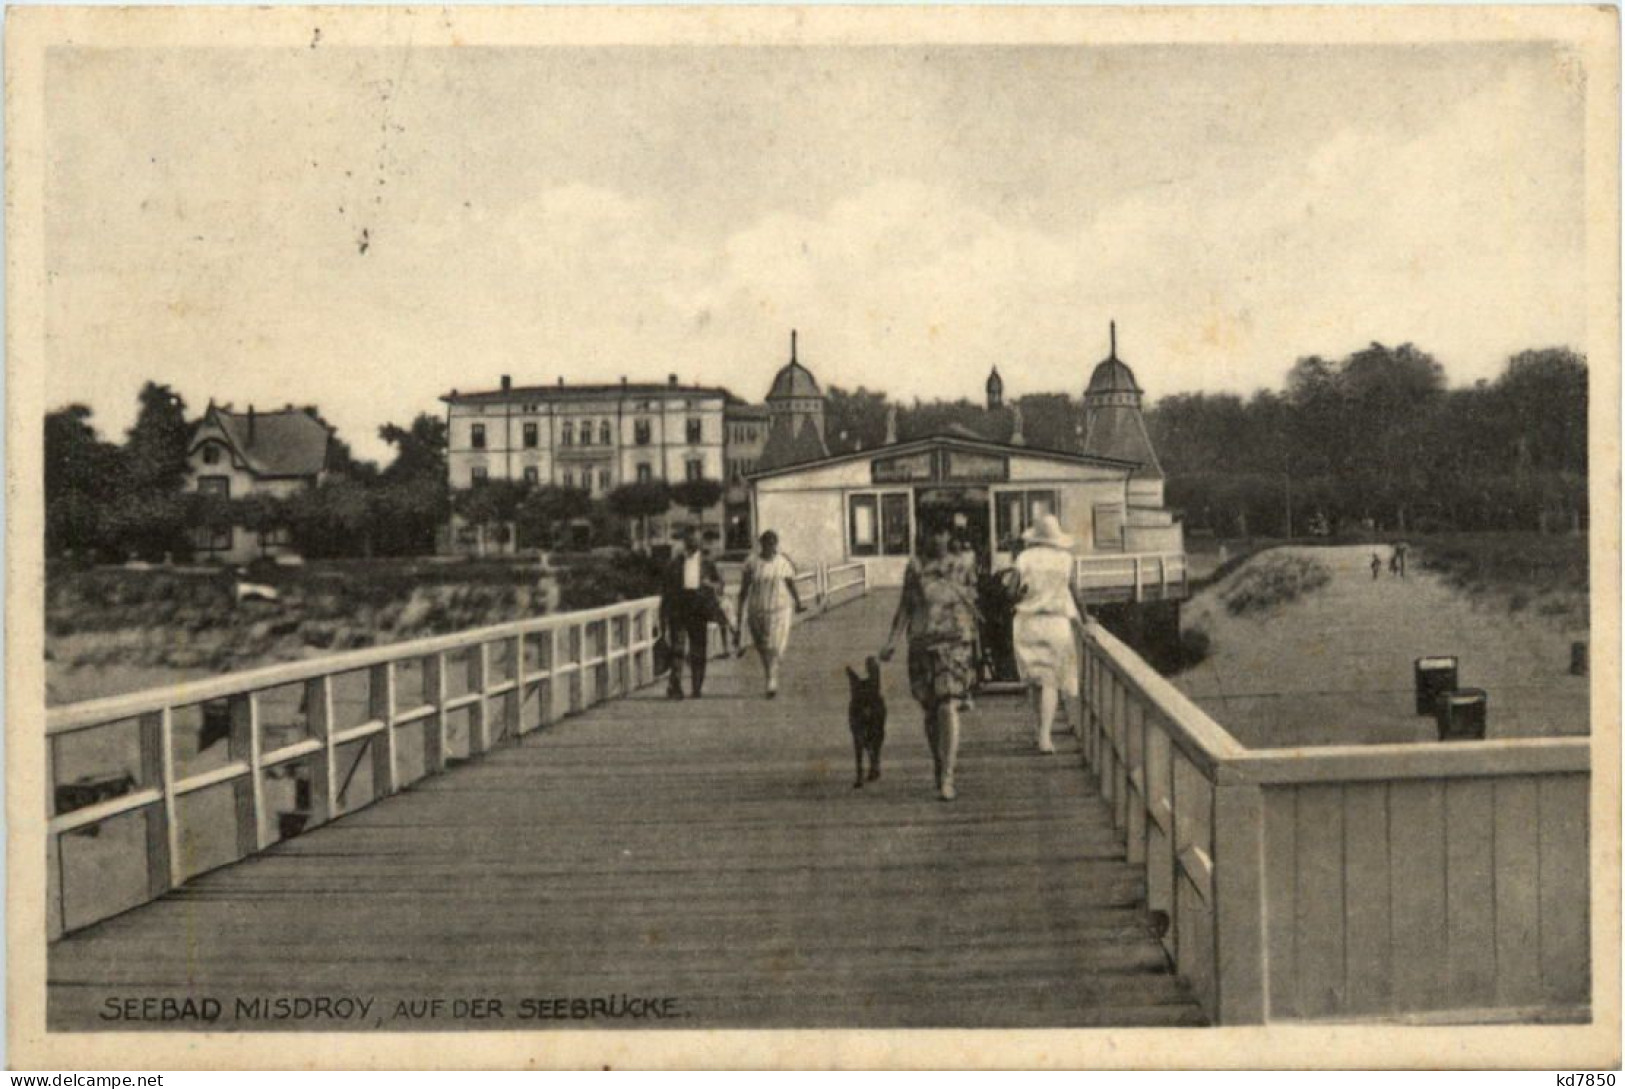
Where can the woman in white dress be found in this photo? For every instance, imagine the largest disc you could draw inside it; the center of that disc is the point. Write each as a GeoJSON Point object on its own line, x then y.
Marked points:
{"type": "Point", "coordinates": [1046, 622]}
{"type": "Point", "coordinates": [767, 601]}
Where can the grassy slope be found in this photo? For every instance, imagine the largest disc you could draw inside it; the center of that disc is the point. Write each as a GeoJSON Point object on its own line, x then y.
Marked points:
{"type": "Point", "coordinates": [1334, 666]}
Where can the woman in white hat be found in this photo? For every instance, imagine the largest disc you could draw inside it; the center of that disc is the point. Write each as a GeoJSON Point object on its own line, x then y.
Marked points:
{"type": "Point", "coordinates": [1046, 621]}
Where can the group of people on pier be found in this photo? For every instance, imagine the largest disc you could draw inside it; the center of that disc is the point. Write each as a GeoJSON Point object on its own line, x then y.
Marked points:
{"type": "Point", "coordinates": [937, 616]}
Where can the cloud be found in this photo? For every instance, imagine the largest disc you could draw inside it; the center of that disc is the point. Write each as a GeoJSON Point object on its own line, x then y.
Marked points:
{"type": "Point", "coordinates": [1459, 228]}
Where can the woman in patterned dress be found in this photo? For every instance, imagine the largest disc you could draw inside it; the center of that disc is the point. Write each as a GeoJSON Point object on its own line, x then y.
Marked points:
{"type": "Point", "coordinates": [939, 614]}
{"type": "Point", "coordinates": [767, 601]}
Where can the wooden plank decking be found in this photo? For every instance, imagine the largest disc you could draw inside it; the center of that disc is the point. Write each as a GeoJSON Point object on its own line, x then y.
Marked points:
{"type": "Point", "coordinates": [712, 853]}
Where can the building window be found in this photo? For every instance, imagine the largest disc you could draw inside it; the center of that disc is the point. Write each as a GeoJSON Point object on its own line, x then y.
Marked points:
{"type": "Point", "coordinates": [479, 474]}
{"type": "Point", "coordinates": [214, 538]}
{"type": "Point", "coordinates": [693, 469]}
{"type": "Point", "coordinates": [878, 525]}
{"type": "Point", "coordinates": [894, 535]}
{"type": "Point", "coordinates": [569, 436]}
{"type": "Point", "coordinates": [1109, 519]}
{"type": "Point", "coordinates": [530, 436]}
{"type": "Point", "coordinates": [693, 431]}
{"type": "Point", "coordinates": [1015, 512]}
{"type": "Point", "coordinates": [864, 528]}
{"type": "Point", "coordinates": [533, 475]}
{"type": "Point", "coordinates": [603, 480]}
{"type": "Point", "coordinates": [604, 436]}
{"type": "Point", "coordinates": [569, 478]}
{"type": "Point", "coordinates": [640, 432]}
{"type": "Point", "coordinates": [645, 472]}
{"type": "Point", "coordinates": [211, 454]}
{"type": "Point", "coordinates": [586, 432]}
{"type": "Point", "coordinates": [477, 436]}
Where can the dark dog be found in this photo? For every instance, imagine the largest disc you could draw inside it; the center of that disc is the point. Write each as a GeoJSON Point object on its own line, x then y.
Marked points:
{"type": "Point", "coordinates": [866, 714]}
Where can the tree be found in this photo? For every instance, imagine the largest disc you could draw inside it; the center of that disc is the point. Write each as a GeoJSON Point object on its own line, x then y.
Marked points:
{"type": "Point", "coordinates": [156, 447]}
{"type": "Point", "coordinates": [1050, 421]}
{"type": "Point", "coordinates": [261, 514]}
{"type": "Point", "coordinates": [412, 497]}
{"type": "Point", "coordinates": [420, 449]}
{"type": "Point", "coordinates": [490, 507]}
{"type": "Point", "coordinates": [82, 475]}
{"type": "Point", "coordinates": [407, 513]}
{"type": "Point", "coordinates": [697, 495]}
{"type": "Point", "coordinates": [639, 502]}
{"type": "Point", "coordinates": [854, 418]}
{"type": "Point", "coordinates": [546, 510]}
{"type": "Point", "coordinates": [336, 518]}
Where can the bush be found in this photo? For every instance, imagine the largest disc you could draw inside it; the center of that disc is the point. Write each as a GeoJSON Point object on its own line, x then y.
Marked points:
{"type": "Point", "coordinates": [1274, 581]}
{"type": "Point", "coordinates": [1194, 647]}
{"type": "Point", "coordinates": [596, 582]}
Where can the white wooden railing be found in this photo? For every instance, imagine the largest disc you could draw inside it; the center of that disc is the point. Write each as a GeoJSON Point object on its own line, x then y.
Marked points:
{"type": "Point", "coordinates": [821, 588]}
{"type": "Point", "coordinates": [1346, 882]}
{"type": "Point", "coordinates": [346, 713]}
{"type": "Point", "coordinates": [843, 582]}
{"type": "Point", "coordinates": [1141, 575]}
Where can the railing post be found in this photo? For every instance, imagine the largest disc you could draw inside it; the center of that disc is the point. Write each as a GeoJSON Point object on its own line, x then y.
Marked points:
{"type": "Point", "coordinates": [558, 682]}
{"type": "Point", "coordinates": [1238, 893]}
{"type": "Point", "coordinates": [1138, 800]}
{"type": "Point", "coordinates": [324, 799]}
{"type": "Point", "coordinates": [157, 770]}
{"type": "Point", "coordinates": [434, 727]}
{"type": "Point", "coordinates": [479, 712]}
{"type": "Point", "coordinates": [638, 654]}
{"type": "Point", "coordinates": [381, 708]}
{"type": "Point", "coordinates": [1139, 590]}
{"type": "Point", "coordinates": [513, 704]}
{"type": "Point", "coordinates": [1162, 575]}
{"type": "Point", "coordinates": [1120, 765]}
{"type": "Point", "coordinates": [55, 897]}
{"type": "Point", "coordinates": [243, 743]}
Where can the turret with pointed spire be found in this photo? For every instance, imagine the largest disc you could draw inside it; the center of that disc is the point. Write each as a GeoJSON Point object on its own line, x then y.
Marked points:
{"type": "Point", "coordinates": [1113, 423]}
{"type": "Point", "coordinates": [795, 410]}
{"type": "Point", "coordinates": [995, 390]}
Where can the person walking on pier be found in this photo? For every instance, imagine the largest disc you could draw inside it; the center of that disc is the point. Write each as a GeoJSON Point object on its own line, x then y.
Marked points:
{"type": "Point", "coordinates": [1376, 567]}
{"type": "Point", "coordinates": [767, 600]}
{"type": "Point", "coordinates": [683, 615]}
{"type": "Point", "coordinates": [1047, 622]}
{"type": "Point", "coordinates": [940, 617]}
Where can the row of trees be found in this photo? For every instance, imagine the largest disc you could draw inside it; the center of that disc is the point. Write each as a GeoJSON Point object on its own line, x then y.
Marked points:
{"type": "Point", "coordinates": [1376, 437]}
{"type": "Point", "coordinates": [115, 500]}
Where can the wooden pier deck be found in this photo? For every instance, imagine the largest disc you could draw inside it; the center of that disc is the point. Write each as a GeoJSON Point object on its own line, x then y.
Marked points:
{"type": "Point", "coordinates": [708, 858]}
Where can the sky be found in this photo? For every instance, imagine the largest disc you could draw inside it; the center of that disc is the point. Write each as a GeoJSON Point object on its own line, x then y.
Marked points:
{"type": "Point", "coordinates": [367, 229]}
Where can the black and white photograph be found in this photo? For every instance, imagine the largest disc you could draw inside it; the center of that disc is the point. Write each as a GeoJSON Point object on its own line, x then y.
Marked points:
{"type": "Point", "coordinates": [641, 523]}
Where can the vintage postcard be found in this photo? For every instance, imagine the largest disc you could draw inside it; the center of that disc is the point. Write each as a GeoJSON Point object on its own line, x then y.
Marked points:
{"type": "Point", "coordinates": [822, 537]}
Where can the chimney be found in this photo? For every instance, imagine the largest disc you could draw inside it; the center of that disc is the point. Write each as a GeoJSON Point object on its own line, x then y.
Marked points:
{"type": "Point", "coordinates": [251, 425]}
{"type": "Point", "coordinates": [671, 380]}
{"type": "Point", "coordinates": [561, 379]}
{"type": "Point", "coordinates": [623, 381]}
{"type": "Point", "coordinates": [507, 383]}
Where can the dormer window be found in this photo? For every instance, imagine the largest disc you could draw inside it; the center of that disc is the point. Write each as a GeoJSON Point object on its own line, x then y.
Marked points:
{"type": "Point", "coordinates": [211, 454]}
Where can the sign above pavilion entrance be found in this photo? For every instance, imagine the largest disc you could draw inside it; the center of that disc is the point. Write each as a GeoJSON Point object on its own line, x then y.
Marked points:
{"type": "Point", "coordinates": [940, 465]}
